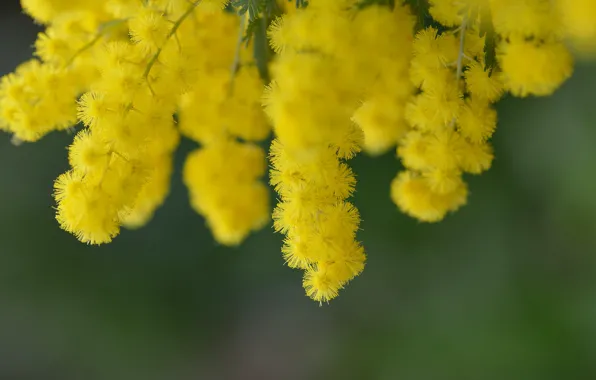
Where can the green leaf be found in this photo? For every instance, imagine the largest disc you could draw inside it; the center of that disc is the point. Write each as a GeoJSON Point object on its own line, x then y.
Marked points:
{"type": "Point", "coordinates": [251, 28]}
{"type": "Point", "coordinates": [257, 10]}
{"type": "Point", "coordinates": [254, 7]}
{"type": "Point", "coordinates": [487, 31]}
{"type": "Point", "coordinates": [250, 6]}
{"type": "Point", "coordinates": [420, 9]}
{"type": "Point", "coordinates": [261, 50]}
{"type": "Point", "coordinates": [300, 3]}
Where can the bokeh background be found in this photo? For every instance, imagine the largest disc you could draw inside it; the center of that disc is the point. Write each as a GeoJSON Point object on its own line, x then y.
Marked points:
{"type": "Point", "coordinates": [503, 289]}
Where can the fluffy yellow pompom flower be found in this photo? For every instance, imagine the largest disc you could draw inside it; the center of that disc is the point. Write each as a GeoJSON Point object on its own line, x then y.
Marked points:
{"type": "Point", "coordinates": [84, 209]}
{"type": "Point", "coordinates": [532, 56]}
{"type": "Point", "coordinates": [481, 84]}
{"type": "Point", "coordinates": [532, 67]}
{"type": "Point", "coordinates": [477, 120]}
{"type": "Point", "coordinates": [149, 29]}
{"type": "Point", "coordinates": [27, 111]}
{"type": "Point", "coordinates": [432, 52]}
{"type": "Point", "coordinates": [382, 121]}
{"type": "Point", "coordinates": [88, 154]}
{"type": "Point", "coordinates": [414, 195]}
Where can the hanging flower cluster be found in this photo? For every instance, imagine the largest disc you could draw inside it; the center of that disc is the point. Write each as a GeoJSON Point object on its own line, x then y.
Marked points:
{"type": "Point", "coordinates": [124, 69]}
{"type": "Point", "coordinates": [331, 57]}
{"type": "Point", "coordinates": [341, 76]}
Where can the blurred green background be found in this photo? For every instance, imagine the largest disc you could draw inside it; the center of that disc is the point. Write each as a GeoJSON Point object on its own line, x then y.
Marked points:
{"type": "Point", "coordinates": [503, 289]}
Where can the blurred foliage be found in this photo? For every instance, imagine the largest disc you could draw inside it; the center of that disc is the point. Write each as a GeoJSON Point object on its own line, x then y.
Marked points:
{"type": "Point", "coordinates": [503, 289]}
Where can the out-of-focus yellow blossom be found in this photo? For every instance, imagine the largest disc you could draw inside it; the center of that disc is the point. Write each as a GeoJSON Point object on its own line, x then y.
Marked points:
{"type": "Point", "coordinates": [534, 68]}
{"type": "Point", "coordinates": [525, 18]}
{"type": "Point", "coordinates": [46, 11]}
{"type": "Point", "coordinates": [222, 103]}
{"type": "Point", "coordinates": [579, 22]}
{"type": "Point", "coordinates": [531, 53]}
{"type": "Point", "coordinates": [223, 181]}
{"type": "Point", "coordinates": [447, 12]}
{"type": "Point", "coordinates": [388, 35]}
{"type": "Point", "coordinates": [450, 13]}
{"type": "Point", "coordinates": [416, 196]}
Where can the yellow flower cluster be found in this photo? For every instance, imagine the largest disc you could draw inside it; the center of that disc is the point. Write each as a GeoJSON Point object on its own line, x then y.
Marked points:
{"type": "Point", "coordinates": [448, 135]}
{"type": "Point", "coordinates": [331, 56]}
{"type": "Point", "coordinates": [346, 75]}
{"type": "Point", "coordinates": [451, 117]}
{"type": "Point", "coordinates": [531, 53]}
{"type": "Point", "coordinates": [135, 65]}
{"type": "Point", "coordinates": [26, 111]}
{"type": "Point", "coordinates": [66, 69]}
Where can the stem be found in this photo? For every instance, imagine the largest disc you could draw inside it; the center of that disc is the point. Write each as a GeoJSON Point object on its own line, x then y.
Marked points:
{"type": "Point", "coordinates": [460, 55]}
{"type": "Point", "coordinates": [462, 40]}
{"type": "Point", "coordinates": [103, 28]}
{"type": "Point", "coordinates": [173, 31]}
{"type": "Point", "coordinates": [236, 62]}
{"type": "Point", "coordinates": [16, 141]}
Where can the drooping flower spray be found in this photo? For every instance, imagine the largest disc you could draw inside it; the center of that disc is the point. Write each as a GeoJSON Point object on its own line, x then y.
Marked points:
{"type": "Point", "coordinates": [420, 78]}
